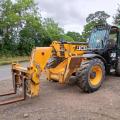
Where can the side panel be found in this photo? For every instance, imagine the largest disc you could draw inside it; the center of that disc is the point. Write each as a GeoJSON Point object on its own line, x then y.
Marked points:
{"type": "Point", "coordinates": [89, 56]}
{"type": "Point", "coordinates": [73, 64]}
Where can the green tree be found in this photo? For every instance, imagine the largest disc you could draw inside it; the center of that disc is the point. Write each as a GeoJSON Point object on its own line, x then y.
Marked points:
{"type": "Point", "coordinates": [16, 18]}
{"type": "Point", "coordinates": [97, 18]}
{"type": "Point", "coordinates": [66, 38]}
{"type": "Point", "coordinates": [21, 28]}
{"type": "Point", "coordinates": [74, 35]}
{"type": "Point", "coordinates": [52, 28]}
{"type": "Point", "coordinates": [117, 17]}
{"type": "Point", "coordinates": [87, 30]}
{"type": "Point", "coordinates": [7, 22]}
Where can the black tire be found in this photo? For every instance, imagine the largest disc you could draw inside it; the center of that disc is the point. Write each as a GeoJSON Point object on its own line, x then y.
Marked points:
{"type": "Point", "coordinates": [84, 74]}
{"type": "Point", "coordinates": [118, 68]}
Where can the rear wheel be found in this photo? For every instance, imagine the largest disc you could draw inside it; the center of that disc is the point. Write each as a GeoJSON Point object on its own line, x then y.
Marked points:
{"type": "Point", "coordinates": [118, 67]}
{"type": "Point", "coordinates": [91, 75]}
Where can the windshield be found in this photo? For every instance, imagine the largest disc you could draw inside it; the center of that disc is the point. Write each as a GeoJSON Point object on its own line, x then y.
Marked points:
{"type": "Point", "coordinates": [97, 38]}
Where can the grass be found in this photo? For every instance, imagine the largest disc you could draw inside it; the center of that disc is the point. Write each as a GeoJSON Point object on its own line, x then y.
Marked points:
{"type": "Point", "coordinates": [9, 60]}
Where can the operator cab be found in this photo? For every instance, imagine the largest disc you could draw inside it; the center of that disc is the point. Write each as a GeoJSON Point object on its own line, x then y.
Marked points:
{"type": "Point", "coordinates": [104, 40]}
{"type": "Point", "coordinates": [103, 36]}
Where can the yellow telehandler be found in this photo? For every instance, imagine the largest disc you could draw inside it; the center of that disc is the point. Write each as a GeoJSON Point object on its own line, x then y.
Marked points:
{"type": "Point", "coordinates": [87, 61]}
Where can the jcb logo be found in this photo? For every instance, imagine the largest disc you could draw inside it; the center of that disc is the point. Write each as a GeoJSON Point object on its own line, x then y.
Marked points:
{"type": "Point", "coordinates": [83, 47]}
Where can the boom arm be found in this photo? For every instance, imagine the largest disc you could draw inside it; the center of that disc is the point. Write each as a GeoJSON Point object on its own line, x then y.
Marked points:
{"type": "Point", "coordinates": [38, 60]}
{"type": "Point", "coordinates": [29, 78]}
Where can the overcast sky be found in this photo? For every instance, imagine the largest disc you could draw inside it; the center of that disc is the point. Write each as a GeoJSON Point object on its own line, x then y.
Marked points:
{"type": "Point", "coordinates": [71, 14]}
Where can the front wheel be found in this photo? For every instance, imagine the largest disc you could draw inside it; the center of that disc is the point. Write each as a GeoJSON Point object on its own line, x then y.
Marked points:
{"type": "Point", "coordinates": [91, 77]}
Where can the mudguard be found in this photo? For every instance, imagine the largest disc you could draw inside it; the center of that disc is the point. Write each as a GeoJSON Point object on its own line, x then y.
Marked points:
{"type": "Point", "coordinates": [91, 55]}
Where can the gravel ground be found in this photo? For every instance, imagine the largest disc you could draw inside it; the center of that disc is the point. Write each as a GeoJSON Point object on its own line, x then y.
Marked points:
{"type": "Point", "coordinates": [66, 102]}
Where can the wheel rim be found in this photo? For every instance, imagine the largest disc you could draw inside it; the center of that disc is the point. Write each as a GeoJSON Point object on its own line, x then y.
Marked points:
{"type": "Point", "coordinates": [96, 74]}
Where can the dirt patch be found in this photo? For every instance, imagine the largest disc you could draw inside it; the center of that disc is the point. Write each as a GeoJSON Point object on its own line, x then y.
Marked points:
{"type": "Point", "coordinates": [66, 102]}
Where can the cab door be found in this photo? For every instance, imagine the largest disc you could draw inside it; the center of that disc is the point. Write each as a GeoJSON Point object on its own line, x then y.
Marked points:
{"type": "Point", "coordinates": [112, 48]}
{"type": "Point", "coordinates": [118, 44]}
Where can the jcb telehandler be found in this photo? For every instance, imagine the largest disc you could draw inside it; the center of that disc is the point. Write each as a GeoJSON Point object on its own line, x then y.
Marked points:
{"type": "Point", "coordinates": [88, 62]}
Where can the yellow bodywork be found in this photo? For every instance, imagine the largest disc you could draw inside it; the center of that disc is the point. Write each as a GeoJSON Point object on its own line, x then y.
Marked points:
{"type": "Point", "coordinates": [70, 49]}
{"type": "Point", "coordinates": [71, 60]}
{"type": "Point", "coordinates": [40, 56]}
